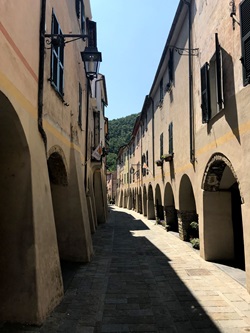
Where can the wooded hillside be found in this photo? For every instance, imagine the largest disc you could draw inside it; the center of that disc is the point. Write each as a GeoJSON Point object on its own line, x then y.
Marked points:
{"type": "Point", "coordinates": [120, 131]}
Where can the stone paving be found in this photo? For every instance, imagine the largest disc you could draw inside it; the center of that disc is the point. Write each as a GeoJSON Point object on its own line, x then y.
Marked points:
{"type": "Point", "coordinates": [143, 279]}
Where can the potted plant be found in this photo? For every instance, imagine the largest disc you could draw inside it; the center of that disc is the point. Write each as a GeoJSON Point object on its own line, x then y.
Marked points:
{"type": "Point", "coordinates": [159, 162]}
{"type": "Point", "coordinates": [167, 157]}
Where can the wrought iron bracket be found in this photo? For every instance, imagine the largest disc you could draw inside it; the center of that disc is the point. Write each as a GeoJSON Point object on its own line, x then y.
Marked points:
{"type": "Point", "coordinates": [233, 13]}
{"type": "Point", "coordinates": [59, 39]}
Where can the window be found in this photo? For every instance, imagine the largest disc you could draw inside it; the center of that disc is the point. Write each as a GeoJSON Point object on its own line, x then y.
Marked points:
{"type": "Point", "coordinates": [170, 139]}
{"type": "Point", "coordinates": [170, 71]}
{"type": "Point", "coordinates": [171, 66]}
{"type": "Point", "coordinates": [80, 106]}
{"type": "Point", "coordinates": [245, 39]}
{"type": "Point", "coordinates": [212, 100]}
{"type": "Point", "coordinates": [161, 91]}
{"type": "Point", "coordinates": [143, 162]}
{"type": "Point", "coordinates": [57, 58]}
{"type": "Point", "coordinates": [80, 12]}
{"type": "Point", "coordinates": [96, 128]}
{"type": "Point", "coordinates": [161, 145]}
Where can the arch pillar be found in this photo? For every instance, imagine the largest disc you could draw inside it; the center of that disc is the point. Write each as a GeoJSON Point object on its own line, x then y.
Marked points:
{"type": "Point", "coordinates": [185, 217]}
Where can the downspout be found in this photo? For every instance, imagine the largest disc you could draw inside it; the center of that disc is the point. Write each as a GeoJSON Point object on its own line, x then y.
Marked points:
{"type": "Point", "coordinates": [191, 113]}
{"type": "Point", "coordinates": [86, 135]}
{"type": "Point", "coordinates": [153, 133]}
{"type": "Point", "coordinates": [41, 73]}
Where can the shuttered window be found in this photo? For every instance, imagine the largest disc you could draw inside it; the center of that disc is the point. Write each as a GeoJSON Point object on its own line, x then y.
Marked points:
{"type": "Point", "coordinates": [170, 139]}
{"type": "Point", "coordinates": [161, 90]}
{"type": "Point", "coordinates": [80, 106]}
{"type": "Point", "coordinates": [77, 2]}
{"type": "Point", "coordinates": [161, 144]}
{"type": "Point", "coordinates": [171, 66]}
{"type": "Point", "coordinates": [219, 74]}
{"type": "Point", "coordinates": [80, 13]}
{"type": "Point", "coordinates": [205, 94]}
{"type": "Point", "coordinates": [57, 59]}
{"type": "Point", "coordinates": [245, 39]}
{"type": "Point", "coordinates": [212, 97]}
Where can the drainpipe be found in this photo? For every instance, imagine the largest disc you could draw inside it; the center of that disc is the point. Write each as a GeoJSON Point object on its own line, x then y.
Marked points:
{"type": "Point", "coordinates": [41, 73]}
{"type": "Point", "coordinates": [191, 113]}
{"type": "Point", "coordinates": [153, 133]}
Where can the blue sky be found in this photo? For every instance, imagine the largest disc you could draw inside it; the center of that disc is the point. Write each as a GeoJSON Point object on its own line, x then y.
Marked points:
{"type": "Point", "coordinates": [131, 35]}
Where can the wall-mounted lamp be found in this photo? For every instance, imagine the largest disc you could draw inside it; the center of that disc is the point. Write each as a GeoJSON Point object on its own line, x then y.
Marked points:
{"type": "Point", "coordinates": [91, 59]}
{"type": "Point", "coordinates": [90, 56]}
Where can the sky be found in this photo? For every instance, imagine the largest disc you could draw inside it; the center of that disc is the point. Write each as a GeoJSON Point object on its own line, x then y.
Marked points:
{"type": "Point", "coordinates": [131, 34]}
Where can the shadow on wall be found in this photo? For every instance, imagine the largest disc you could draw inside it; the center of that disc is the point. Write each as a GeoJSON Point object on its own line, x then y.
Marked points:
{"type": "Point", "coordinates": [230, 106]}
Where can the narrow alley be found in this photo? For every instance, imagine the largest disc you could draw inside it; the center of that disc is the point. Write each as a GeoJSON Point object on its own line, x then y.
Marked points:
{"type": "Point", "coordinates": [144, 279]}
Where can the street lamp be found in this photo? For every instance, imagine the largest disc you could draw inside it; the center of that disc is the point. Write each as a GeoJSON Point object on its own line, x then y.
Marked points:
{"type": "Point", "coordinates": [91, 59]}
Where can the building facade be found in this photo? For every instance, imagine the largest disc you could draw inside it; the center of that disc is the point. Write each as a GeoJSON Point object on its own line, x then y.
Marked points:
{"type": "Point", "coordinates": [47, 207]}
{"type": "Point", "coordinates": [195, 131]}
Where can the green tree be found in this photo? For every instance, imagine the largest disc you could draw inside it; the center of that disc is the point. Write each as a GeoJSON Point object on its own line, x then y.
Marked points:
{"type": "Point", "coordinates": [120, 132]}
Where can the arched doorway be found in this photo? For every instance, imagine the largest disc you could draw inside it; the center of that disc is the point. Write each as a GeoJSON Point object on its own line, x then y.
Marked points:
{"type": "Point", "coordinates": [150, 208]}
{"type": "Point", "coordinates": [159, 214]}
{"type": "Point", "coordinates": [222, 218]}
{"type": "Point", "coordinates": [187, 212]}
{"type": "Point", "coordinates": [59, 191]}
{"type": "Point", "coordinates": [17, 242]}
{"type": "Point", "coordinates": [169, 209]}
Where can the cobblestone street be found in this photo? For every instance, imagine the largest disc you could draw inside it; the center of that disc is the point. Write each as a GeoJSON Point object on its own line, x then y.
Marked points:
{"type": "Point", "coordinates": [143, 279]}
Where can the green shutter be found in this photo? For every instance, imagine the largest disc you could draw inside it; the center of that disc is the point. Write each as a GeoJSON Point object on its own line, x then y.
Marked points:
{"type": "Point", "coordinates": [77, 8]}
{"type": "Point", "coordinates": [205, 93]}
{"type": "Point", "coordinates": [245, 39]}
{"type": "Point", "coordinates": [161, 144]}
{"type": "Point", "coordinates": [219, 73]}
{"type": "Point", "coordinates": [170, 138]}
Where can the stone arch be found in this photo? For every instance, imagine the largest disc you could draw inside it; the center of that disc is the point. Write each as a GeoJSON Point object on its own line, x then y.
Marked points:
{"type": "Point", "coordinates": [212, 177]}
{"type": "Point", "coordinates": [187, 207]}
{"type": "Point", "coordinates": [59, 190]}
{"type": "Point", "coordinates": [145, 199]}
{"type": "Point", "coordinates": [150, 206]}
{"type": "Point", "coordinates": [57, 166]}
{"type": "Point", "coordinates": [170, 213]}
{"type": "Point", "coordinates": [222, 217]}
{"type": "Point", "coordinates": [158, 204]}
{"type": "Point", "coordinates": [70, 207]}
{"type": "Point", "coordinates": [17, 242]}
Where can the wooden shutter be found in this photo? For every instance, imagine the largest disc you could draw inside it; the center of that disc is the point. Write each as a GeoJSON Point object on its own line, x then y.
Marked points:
{"type": "Point", "coordinates": [80, 106]}
{"type": "Point", "coordinates": [205, 93]}
{"type": "Point", "coordinates": [170, 138]}
{"type": "Point", "coordinates": [92, 40]}
{"type": "Point", "coordinates": [171, 66]}
{"type": "Point", "coordinates": [77, 8]}
{"type": "Point", "coordinates": [219, 73]}
{"type": "Point", "coordinates": [245, 39]}
{"type": "Point", "coordinates": [161, 144]}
